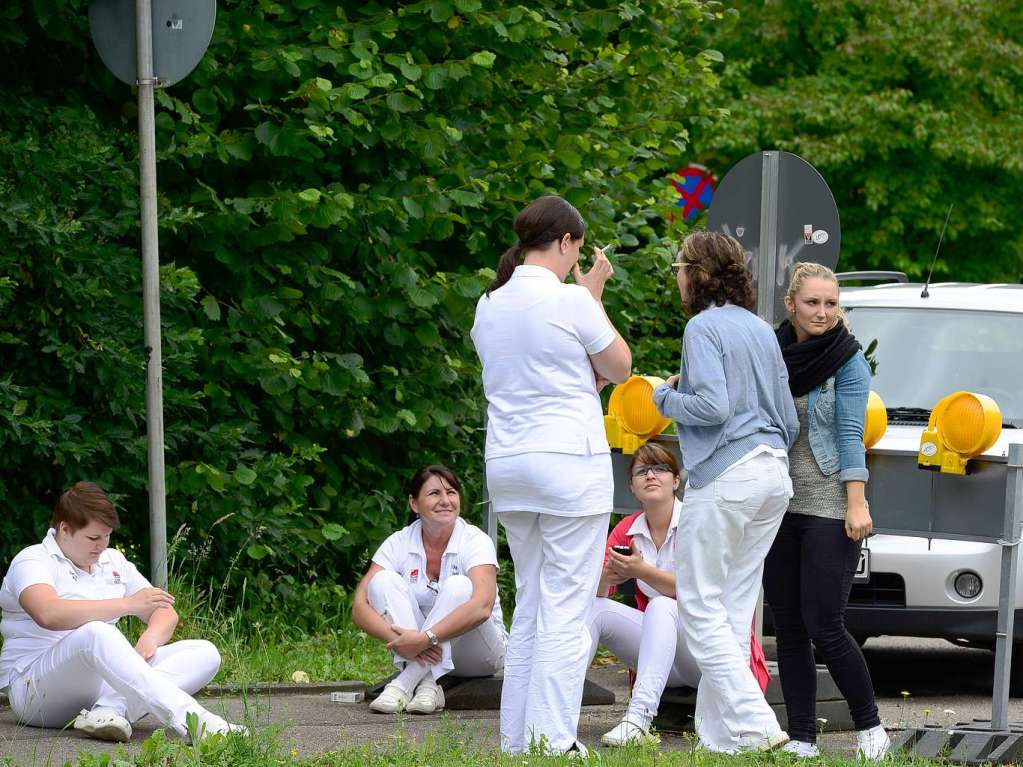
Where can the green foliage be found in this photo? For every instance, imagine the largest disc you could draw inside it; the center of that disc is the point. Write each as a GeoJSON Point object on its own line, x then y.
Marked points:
{"type": "Point", "coordinates": [904, 106]}
{"type": "Point", "coordinates": [336, 184]}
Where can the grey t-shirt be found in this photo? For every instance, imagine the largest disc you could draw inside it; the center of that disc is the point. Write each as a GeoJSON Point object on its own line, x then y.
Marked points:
{"type": "Point", "coordinates": [814, 493]}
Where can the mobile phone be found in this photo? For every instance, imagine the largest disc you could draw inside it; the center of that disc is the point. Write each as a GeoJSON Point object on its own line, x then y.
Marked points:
{"type": "Point", "coordinates": [625, 551]}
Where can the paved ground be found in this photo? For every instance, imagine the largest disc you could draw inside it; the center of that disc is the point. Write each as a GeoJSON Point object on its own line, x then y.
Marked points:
{"type": "Point", "coordinates": [937, 675]}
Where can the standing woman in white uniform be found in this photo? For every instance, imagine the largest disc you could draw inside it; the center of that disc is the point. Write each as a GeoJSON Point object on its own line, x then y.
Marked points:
{"type": "Point", "coordinates": [63, 654]}
{"type": "Point", "coordinates": [546, 349]}
{"type": "Point", "coordinates": [431, 595]}
{"type": "Point", "coordinates": [735, 421]}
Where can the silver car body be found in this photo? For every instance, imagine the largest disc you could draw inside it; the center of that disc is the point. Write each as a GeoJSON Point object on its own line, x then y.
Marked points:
{"type": "Point", "coordinates": [975, 333]}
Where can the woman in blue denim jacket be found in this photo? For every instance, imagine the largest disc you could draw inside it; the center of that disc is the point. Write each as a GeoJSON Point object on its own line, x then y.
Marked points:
{"type": "Point", "coordinates": [809, 570]}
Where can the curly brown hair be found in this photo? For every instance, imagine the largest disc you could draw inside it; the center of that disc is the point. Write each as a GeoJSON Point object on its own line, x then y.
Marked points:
{"type": "Point", "coordinates": [718, 272]}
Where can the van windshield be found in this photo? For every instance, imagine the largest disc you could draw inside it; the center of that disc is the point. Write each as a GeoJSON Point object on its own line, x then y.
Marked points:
{"type": "Point", "coordinates": [923, 355]}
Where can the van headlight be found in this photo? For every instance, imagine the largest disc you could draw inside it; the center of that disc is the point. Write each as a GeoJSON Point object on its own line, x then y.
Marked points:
{"type": "Point", "coordinates": [968, 584]}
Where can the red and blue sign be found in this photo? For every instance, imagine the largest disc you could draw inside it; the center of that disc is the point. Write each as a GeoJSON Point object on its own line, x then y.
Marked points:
{"type": "Point", "coordinates": [695, 186]}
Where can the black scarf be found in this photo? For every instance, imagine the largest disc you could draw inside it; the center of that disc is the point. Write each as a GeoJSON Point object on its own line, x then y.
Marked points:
{"type": "Point", "coordinates": [816, 359]}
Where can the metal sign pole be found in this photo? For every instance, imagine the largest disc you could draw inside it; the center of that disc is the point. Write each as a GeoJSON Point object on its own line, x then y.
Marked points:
{"type": "Point", "coordinates": [767, 264]}
{"type": "Point", "coordinates": [151, 293]}
{"type": "Point", "coordinates": [1007, 588]}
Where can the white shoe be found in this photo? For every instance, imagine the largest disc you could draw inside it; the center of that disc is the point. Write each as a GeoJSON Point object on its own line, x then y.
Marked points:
{"type": "Point", "coordinates": [873, 743]}
{"type": "Point", "coordinates": [576, 751]}
{"type": "Point", "coordinates": [627, 732]}
{"type": "Point", "coordinates": [103, 723]}
{"type": "Point", "coordinates": [801, 749]}
{"type": "Point", "coordinates": [766, 743]}
{"type": "Point", "coordinates": [392, 700]}
{"type": "Point", "coordinates": [429, 698]}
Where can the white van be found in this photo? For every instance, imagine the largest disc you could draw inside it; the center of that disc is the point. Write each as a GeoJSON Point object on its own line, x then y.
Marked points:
{"type": "Point", "coordinates": [961, 337]}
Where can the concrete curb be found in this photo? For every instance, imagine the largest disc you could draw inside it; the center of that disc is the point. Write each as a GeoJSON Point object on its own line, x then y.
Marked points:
{"type": "Point", "coordinates": [267, 688]}
{"type": "Point", "coordinates": [283, 688]}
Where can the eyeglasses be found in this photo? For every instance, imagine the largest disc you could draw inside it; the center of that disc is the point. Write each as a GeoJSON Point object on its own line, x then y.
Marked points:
{"type": "Point", "coordinates": [677, 266]}
{"type": "Point", "coordinates": [656, 468]}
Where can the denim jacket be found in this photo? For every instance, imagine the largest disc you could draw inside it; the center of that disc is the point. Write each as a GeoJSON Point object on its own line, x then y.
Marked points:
{"type": "Point", "coordinates": [836, 412]}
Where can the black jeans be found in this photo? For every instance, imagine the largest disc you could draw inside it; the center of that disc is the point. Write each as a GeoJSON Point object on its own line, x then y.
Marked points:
{"type": "Point", "coordinates": [807, 578]}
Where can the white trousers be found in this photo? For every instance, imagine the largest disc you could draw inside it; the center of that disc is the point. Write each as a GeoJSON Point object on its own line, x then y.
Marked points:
{"type": "Point", "coordinates": [557, 566]}
{"type": "Point", "coordinates": [725, 531]}
{"type": "Point", "coordinates": [648, 642]}
{"type": "Point", "coordinates": [95, 665]}
{"type": "Point", "coordinates": [479, 652]}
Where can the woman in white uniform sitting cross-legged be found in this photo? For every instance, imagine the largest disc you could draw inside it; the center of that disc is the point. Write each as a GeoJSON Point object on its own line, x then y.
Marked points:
{"type": "Point", "coordinates": [431, 595]}
{"type": "Point", "coordinates": [648, 637]}
{"type": "Point", "coordinates": [62, 652]}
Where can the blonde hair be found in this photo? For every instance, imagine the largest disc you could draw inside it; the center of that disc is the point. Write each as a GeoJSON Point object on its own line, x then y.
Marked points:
{"type": "Point", "coordinates": [809, 270]}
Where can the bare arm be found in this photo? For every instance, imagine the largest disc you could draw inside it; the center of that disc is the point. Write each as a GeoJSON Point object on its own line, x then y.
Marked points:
{"type": "Point", "coordinates": [858, 524]}
{"type": "Point", "coordinates": [42, 604]}
{"type": "Point", "coordinates": [159, 629]}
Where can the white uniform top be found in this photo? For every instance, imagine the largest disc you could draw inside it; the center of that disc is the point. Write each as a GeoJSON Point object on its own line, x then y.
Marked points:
{"type": "Point", "coordinates": [662, 558]}
{"type": "Point", "coordinates": [403, 552]}
{"type": "Point", "coordinates": [534, 336]}
{"type": "Point", "coordinates": [112, 577]}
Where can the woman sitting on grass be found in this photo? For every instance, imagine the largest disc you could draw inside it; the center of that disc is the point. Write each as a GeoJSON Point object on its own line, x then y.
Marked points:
{"type": "Point", "coordinates": [647, 637]}
{"type": "Point", "coordinates": [63, 654]}
{"type": "Point", "coordinates": [431, 595]}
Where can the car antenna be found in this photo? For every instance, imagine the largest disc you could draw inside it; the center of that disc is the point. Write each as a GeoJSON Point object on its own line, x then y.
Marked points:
{"type": "Point", "coordinates": [924, 293]}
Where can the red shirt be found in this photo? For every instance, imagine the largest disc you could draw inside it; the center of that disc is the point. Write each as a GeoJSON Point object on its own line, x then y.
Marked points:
{"type": "Point", "coordinates": [620, 537]}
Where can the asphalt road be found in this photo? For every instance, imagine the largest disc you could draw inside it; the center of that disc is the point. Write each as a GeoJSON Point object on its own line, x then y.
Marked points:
{"type": "Point", "coordinates": [938, 677]}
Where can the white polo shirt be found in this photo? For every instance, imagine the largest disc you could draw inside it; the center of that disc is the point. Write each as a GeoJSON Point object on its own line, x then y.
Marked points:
{"type": "Point", "coordinates": [662, 558]}
{"type": "Point", "coordinates": [112, 577]}
{"type": "Point", "coordinates": [534, 336]}
{"type": "Point", "coordinates": [403, 553]}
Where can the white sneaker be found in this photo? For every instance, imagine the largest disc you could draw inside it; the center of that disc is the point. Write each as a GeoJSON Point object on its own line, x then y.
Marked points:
{"type": "Point", "coordinates": [103, 723]}
{"type": "Point", "coordinates": [577, 751]}
{"type": "Point", "coordinates": [392, 700]}
{"type": "Point", "coordinates": [429, 698]}
{"type": "Point", "coordinates": [801, 749]}
{"type": "Point", "coordinates": [626, 732]}
{"type": "Point", "coordinates": [765, 743]}
{"type": "Point", "coordinates": [873, 743]}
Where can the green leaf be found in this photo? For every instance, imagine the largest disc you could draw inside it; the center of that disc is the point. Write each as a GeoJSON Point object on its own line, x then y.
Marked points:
{"type": "Point", "coordinates": [713, 55]}
{"type": "Point", "coordinates": [421, 297]}
{"type": "Point", "coordinates": [407, 416]}
{"type": "Point", "coordinates": [244, 475]}
{"type": "Point", "coordinates": [258, 551]}
{"type": "Point", "coordinates": [309, 195]}
{"type": "Point", "coordinates": [414, 208]}
{"type": "Point", "coordinates": [402, 102]}
{"type": "Point", "coordinates": [205, 101]}
{"type": "Point", "coordinates": [332, 531]}
{"type": "Point", "coordinates": [483, 59]}
{"type": "Point", "coordinates": [211, 308]}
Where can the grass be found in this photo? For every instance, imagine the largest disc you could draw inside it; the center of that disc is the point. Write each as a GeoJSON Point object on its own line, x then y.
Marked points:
{"type": "Point", "coordinates": [453, 744]}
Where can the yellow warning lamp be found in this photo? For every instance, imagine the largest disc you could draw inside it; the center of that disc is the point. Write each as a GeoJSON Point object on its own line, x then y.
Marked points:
{"type": "Point", "coordinates": [962, 426]}
{"type": "Point", "coordinates": [876, 423]}
{"type": "Point", "coordinates": [632, 418]}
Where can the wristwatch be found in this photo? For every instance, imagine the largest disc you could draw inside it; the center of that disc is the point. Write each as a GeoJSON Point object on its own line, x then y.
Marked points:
{"type": "Point", "coordinates": [432, 637]}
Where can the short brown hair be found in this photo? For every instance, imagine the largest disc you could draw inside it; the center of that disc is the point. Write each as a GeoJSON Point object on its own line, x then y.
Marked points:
{"type": "Point", "coordinates": [651, 454]}
{"type": "Point", "coordinates": [82, 503]}
{"type": "Point", "coordinates": [718, 273]}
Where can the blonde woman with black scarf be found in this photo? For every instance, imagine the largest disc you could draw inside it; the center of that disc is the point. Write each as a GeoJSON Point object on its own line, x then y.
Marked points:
{"type": "Point", "coordinates": [809, 570]}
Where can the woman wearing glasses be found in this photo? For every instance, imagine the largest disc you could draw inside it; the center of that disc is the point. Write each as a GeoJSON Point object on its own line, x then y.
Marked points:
{"type": "Point", "coordinates": [735, 421]}
{"type": "Point", "coordinates": [431, 596]}
{"type": "Point", "coordinates": [646, 637]}
{"type": "Point", "coordinates": [546, 348]}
